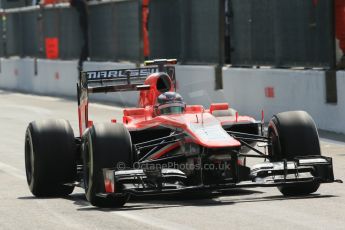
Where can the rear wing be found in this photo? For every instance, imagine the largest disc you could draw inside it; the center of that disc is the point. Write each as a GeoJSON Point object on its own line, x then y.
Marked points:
{"type": "Point", "coordinates": [118, 80]}
{"type": "Point", "coordinates": [104, 81]}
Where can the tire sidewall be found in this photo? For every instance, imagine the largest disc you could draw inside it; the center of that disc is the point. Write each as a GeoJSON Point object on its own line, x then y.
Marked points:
{"type": "Point", "coordinates": [50, 153]}
{"type": "Point", "coordinates": [88, 155]}
{"type": "Point", "coordinates": [30, 178]}
{"type": "Point", "coordinates": [279, 131]}
{"type": "Point", "coordinates": [94, 155]}
{"type": "Point", "coordinates": [275, 149]}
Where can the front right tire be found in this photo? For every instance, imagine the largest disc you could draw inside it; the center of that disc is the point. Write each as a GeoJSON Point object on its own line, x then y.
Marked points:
{"type": "Point", "coordinates": [294, 134]}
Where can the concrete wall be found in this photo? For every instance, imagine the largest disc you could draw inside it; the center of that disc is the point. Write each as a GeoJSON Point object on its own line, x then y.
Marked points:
{"type": "Point", "coordinates": [293, 90]}
{"type": "Point", "coordinates": [56, 78]}
{"type": "Point", "coordinates": [52, 78]}
{"type": "Point", "coordinates": [197, 85]}
{"type": "Point", "coordinates": [247, 90]}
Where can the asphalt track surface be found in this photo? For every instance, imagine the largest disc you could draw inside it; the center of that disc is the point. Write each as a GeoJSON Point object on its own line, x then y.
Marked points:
{"type": "Point", "coordinates": [258, 208]}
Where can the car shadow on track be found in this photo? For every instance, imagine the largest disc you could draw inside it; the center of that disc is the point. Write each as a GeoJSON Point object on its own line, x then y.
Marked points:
{"type": "Point", "coordinates": [230, 197]}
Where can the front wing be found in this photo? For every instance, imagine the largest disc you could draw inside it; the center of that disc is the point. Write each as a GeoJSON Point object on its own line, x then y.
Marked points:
{"type": "Point", "coordinates": [311, 169]}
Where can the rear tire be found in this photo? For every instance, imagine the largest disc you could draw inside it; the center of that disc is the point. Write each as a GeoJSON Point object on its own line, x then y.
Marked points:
{"type": "Point", "coordinates": [294, 134]}
{"type": "Point", "coordinates": [50, 158]}
{"type": "Point", "coordinates": [105, 146]}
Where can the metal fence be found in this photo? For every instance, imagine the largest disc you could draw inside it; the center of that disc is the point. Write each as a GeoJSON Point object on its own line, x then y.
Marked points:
{"type": "Point", "coordinates": [282, 33]}
{"type": "Point", "coordinates": [13, 34]}
{"type": "Point", "coordinates": [115, 31]}
{"type": "Point", "coordinates": [166, 29]}
{"type": "Point", "coordinates": [6, 4]}
{"type": "Point", "coordinates": [62, 23]}
{"type": "Point", "coordinates": [190, 30]}
{"type": "Point", "coordinates": [2, 38]}
{"type": "Point", "coordinates": [30, 33]}
{"type": "Point", "coordinates": [27, 30]}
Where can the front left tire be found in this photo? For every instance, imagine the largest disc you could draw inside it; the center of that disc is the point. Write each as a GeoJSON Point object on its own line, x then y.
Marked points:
{"type": "Point", "coordinates": [105, 146]}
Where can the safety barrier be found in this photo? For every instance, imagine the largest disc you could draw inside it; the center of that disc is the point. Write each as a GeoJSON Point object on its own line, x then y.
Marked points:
{"type": "Point", "coordinates": [13, 34]}
{"type": "Point", "coordinates": [50, 32]}
{"type": "Point", "coordinates": [239, 32]}
{"type": "Point", "coordinates": [6, 4]}
{"type": "Point", "coordinates": [115, 31]}
{"type": "Point", "coordinates": [282, 33]}
{"type": "Point", "coordinates": [248, 90]}
{"type": "Point", "coordinates": [54, 32]}
{"type": "Point", "coordinates": [2, 36]}
{"type": "Point", "coordinates": [277, 90]}
{"type": "Point", "coordinates": [60, 24]}
{"type": "Point", "coordinates": [30, 33]}
{"type": "Point", "coordinates": [189, 30]}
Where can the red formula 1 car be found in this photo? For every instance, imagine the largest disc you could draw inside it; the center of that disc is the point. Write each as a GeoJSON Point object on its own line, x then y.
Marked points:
{"type": "Point", "coordinates": [165, 146]}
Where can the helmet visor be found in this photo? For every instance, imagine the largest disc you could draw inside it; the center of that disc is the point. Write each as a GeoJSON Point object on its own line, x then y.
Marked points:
{"type": "Point", "coordinates": [174, 108]}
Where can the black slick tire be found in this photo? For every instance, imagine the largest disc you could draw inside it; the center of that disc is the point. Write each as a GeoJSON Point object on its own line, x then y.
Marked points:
{"type": "Point", "coordinates": [294, 134]}
{"type": "Point", "coordinates": [50, 158]}
{"type": "Point", "coordinates": [105, 146]}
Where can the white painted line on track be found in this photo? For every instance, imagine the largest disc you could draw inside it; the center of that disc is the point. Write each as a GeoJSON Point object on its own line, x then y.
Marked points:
{"type": "Point", "coordinates": [60, 217]}
{"type": "Point", "coordinates": [12, 171]}
{"type": "Point", "coordinates": [144, 219]}
{"type": "Point", "coordinates": [155, 222]}
{"type": "Point", "coordinates": [33, 109]}
{"type": "Point", "coordinates": [332, 141]}
{"type": "Point", "coordinates": [37, 97]}
{"type": "Point", "coordinates": [71, 224]}
{"type": "Point", "coordinates": [49, 98]}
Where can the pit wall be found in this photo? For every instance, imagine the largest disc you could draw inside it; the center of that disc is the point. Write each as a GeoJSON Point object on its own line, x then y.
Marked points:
{"type": "Point", "coordinates": [247, 90]}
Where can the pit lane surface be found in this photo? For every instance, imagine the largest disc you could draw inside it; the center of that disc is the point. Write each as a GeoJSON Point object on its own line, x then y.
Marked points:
{"type": "Point", "coordinates": [259, 208]}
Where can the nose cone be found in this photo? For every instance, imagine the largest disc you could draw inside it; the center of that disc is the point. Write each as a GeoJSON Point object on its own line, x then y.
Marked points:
{"type": "Point", "coordinates": [212, 135]}
{"type": "Point", "coordinates": [207, 130]}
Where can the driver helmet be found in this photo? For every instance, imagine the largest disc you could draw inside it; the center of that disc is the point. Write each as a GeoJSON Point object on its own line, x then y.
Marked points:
{"type": "Point", "coordinates": [170, 103]}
